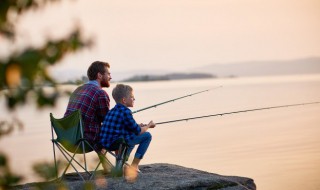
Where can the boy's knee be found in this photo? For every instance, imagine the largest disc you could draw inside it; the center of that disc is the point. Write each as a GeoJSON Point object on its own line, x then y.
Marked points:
{"type": "Point", "coordinates": [148, 136]}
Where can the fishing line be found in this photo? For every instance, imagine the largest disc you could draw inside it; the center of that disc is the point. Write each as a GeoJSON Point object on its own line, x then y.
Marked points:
{"type": "Point", "coordinates": [235, 112]}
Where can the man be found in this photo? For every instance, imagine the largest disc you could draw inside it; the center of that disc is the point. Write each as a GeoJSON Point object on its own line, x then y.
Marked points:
{"type": "Point", "coordinates": [92, 101]}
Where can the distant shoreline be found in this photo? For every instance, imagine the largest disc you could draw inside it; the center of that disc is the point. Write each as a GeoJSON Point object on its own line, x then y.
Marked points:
{"type": "Point", "coordinates": [173, 76]}
{"type": "Point", "coordinates": [309, 65]}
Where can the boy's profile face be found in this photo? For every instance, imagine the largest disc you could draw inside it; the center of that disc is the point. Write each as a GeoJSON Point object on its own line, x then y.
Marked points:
{"type": "Point", "coordinates": [129, 100]}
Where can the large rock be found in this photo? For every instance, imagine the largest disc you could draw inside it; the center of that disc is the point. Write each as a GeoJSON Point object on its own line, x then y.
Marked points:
{"type": "Point", "coordinates": [157, 176]}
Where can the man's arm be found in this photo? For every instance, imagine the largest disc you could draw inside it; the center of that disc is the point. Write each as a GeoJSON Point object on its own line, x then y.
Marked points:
{"type": "Point", "coordinates": [103, 105]}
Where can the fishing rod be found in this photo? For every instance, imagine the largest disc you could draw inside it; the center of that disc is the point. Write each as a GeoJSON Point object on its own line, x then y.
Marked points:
{"type": "Point", "coordinates": [153, 106]}
{"type": "Point", "coordinates": [234, 112]}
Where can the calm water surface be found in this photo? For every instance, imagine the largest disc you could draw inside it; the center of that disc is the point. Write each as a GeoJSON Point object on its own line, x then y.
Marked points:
{"type": "Point", "coordinates": [278, 148]}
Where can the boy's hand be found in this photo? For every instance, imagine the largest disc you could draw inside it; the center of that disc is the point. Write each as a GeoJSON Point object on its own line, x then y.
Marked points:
{"type": "Point", "coordinates": [151, 124]}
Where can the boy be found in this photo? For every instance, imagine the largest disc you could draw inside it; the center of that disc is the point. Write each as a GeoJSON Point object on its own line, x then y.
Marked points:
{"type": "Point", "coordinates": [119, 123]}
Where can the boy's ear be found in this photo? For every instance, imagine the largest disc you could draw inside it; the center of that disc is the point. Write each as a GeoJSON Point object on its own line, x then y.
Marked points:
{"type": "Point", "coordinates": [123, 100]}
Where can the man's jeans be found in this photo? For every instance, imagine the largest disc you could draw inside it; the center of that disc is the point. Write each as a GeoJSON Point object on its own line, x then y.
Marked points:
{"type": "Point", "coordinates": [143, 141]}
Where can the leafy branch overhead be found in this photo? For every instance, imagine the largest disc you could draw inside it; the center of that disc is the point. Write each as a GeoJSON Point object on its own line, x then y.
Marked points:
{"type": "Point", "coordinates": [26, 72]}
{"type": "Point", "coordinates": [10, 9]}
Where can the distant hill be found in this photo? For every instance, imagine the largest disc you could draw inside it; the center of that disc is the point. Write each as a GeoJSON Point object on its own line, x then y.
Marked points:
{"type": "Point", "coordinates": [173, 76]}
{"type": "Point", "coordinates": [263, 68]}
{"type": "Point", "coordinates": [237, 69]}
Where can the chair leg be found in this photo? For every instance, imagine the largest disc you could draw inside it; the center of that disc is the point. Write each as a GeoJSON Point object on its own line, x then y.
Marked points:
{"type": "Point", "coordinates": [84, 156]}
{"type": "Point", "coordinates": [120, 160]}
{"type": "Point", "coordinates": [70, 163]}
{"type": "Point", "coordinates": [55, 160]}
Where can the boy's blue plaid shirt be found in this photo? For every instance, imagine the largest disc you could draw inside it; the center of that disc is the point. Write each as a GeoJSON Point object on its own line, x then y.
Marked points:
{"type": "Point", "coordinates": [118, 123]}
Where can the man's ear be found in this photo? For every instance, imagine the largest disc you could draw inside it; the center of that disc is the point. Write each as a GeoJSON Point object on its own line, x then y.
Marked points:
{"type": "Point", "coordinates": [99, 75]}
{"type": "Point", "coordinates": [123, 100]}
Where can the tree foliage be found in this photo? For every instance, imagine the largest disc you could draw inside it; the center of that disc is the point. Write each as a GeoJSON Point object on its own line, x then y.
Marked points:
{"type": "Point", "coordinates": [25, 72]}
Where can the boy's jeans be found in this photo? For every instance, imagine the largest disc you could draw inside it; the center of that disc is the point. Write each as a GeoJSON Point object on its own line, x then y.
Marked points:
{"type": "Point", "coordinates": [143, 141]}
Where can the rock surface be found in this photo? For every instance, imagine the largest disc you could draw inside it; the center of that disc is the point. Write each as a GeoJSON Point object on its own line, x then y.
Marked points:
{"type": "Point", "coordinates": [156, 176]}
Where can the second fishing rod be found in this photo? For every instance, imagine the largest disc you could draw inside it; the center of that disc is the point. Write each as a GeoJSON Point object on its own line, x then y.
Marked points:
{"type": "Point", "coordinates": [236, 112]}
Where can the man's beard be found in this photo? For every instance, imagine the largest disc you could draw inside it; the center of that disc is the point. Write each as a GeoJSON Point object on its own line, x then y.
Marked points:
{"type": "Point", "coordinates": [105, 84]}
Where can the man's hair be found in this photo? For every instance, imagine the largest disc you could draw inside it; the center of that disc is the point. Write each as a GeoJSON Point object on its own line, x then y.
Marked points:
{"type": "Point", "coordinates": [95, 68]}
{"type": "Point", "coordinates": [121, 91]}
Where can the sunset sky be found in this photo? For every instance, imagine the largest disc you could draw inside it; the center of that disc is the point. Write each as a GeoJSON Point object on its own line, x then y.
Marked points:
{"type": "Point", "coordinates": [178, 35]}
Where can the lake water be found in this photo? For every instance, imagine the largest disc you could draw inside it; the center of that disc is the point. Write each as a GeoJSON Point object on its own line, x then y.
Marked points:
{"type": "Point", "coordinates": [278, 148]}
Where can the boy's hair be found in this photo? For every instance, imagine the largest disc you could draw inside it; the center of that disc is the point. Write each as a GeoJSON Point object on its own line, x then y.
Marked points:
{"type": "Point", "coordinates": [121, 91]}
{"type": "Point", "coordinates": [95, 68]}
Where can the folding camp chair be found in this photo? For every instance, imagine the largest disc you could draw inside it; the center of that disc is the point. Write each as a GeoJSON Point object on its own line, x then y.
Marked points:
{"type": "Point", "coordinates": [70, 141]}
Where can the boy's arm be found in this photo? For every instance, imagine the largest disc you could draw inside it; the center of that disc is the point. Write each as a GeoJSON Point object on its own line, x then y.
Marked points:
{"type": "Point", "coordinates": [146, 127]}
{"type": "Point", "coordinates": [130, 124]}
{"type": "Point", "coordinates": [133, 126]}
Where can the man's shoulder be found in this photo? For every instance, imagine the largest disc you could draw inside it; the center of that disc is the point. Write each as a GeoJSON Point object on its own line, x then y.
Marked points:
{"type": "Point", "coordinates": [93, 89]}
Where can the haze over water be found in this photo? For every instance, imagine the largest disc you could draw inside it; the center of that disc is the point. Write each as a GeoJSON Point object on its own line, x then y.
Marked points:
{"type": "Point", "coordinates": [278, 148]}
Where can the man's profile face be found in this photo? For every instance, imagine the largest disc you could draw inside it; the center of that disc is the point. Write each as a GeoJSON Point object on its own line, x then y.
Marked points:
{"type": "Point", "coordinates": [106, 77]}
